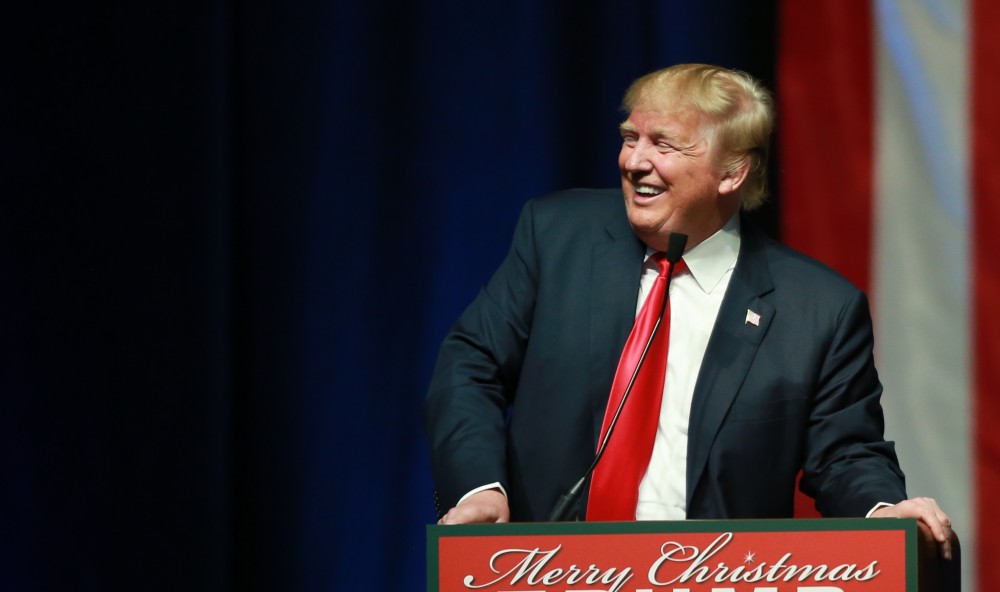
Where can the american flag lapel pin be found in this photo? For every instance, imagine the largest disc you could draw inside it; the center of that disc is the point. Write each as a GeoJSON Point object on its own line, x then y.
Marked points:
{"type": "Point", "coordinates": [752, 318]}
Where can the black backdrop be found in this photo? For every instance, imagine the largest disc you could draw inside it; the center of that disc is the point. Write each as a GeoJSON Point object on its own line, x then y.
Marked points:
{"type": "Point", "coordinates": [233, 235]}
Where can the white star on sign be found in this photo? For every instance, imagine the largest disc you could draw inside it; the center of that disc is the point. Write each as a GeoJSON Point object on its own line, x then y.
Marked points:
{"type": "Point", "coordinates": [748, 558]}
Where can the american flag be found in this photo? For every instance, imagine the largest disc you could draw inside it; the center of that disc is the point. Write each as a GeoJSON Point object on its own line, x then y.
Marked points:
{"type": "Point", "coordinates": [888, 134]}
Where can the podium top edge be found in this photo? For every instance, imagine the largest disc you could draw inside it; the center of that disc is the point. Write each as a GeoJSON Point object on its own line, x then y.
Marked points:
{"type": "Point", "coordinates": [675, 526]}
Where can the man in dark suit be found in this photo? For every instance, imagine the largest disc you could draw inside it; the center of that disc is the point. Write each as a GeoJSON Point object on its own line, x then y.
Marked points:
{"type": "Point", "coordinates": [770, 368]}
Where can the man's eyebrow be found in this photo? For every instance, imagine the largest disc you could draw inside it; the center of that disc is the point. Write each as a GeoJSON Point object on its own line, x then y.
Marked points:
{"type": "Point", "coordinates": [657, 132]}
{"type": "Point", "coordinates": [662, 132]}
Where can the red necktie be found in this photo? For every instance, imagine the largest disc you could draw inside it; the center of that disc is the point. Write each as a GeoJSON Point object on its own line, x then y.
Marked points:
{"type": "Point", "coordinates": [614, 487]}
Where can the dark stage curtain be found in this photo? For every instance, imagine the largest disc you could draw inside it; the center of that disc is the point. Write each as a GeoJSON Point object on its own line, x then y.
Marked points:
{"type": "Point", "coordinates": [232, 236]}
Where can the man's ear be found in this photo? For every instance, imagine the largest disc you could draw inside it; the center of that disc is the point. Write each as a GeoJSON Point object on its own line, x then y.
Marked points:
{"type": "Point", "coordinates": [733, 178]}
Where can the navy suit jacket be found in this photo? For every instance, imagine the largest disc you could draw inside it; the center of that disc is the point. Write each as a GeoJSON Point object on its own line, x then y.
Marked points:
{"type": "Point", "coordinates": [523, 378]}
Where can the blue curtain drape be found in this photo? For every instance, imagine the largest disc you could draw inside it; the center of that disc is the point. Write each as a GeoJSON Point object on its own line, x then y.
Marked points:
{"type": "Point", "coordinates": [232, 236]}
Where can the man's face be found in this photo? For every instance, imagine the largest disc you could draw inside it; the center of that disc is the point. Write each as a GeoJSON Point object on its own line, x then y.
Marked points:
{"type": "Point", "coordinates": [669, 177]}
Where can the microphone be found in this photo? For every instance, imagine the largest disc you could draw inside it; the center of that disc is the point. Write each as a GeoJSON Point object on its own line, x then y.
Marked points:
{"type": "Point", "coordinates": [675, 249]}
{"type": "Point", "coordinates": [568, 503]}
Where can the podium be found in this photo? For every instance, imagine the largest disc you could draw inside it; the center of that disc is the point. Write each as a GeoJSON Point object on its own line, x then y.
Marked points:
{"type": "Point", "coordinates": [816, 555]}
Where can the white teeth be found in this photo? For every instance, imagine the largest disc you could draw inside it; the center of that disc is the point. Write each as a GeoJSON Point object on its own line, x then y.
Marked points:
{"type": "Point", "coordinates": [644, 190]}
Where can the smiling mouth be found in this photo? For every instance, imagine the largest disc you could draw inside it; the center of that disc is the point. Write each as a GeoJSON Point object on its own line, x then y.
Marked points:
{"type": "Point", "coordinates": [647, 191]}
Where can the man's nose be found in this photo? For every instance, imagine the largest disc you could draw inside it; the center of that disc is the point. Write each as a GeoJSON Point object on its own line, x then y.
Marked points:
{"type": "Point", "coordinates": [637, 160]}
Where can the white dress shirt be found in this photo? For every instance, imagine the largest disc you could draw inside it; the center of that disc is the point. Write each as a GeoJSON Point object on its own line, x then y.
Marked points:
{"type": "Point", "coordinates": [695, 299]}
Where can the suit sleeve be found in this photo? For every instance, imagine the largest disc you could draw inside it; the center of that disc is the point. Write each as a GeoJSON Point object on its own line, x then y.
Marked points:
{"type": "Point", "coordinates": [849, 467]}
{"type": "Point", "coordinates": [476, 375]}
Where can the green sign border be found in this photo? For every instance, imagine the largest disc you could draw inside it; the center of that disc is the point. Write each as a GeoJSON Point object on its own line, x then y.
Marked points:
{"type": "Point", "coordinates": [907, 525]}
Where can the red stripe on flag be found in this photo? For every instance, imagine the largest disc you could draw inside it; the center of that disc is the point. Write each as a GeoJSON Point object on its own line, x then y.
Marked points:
{"type": "Point", "coordinates": [825, 129]}
{"type": "Point", "coordinates": [825, 132]}
{"type": "Point", "coordinates": [985, 216]}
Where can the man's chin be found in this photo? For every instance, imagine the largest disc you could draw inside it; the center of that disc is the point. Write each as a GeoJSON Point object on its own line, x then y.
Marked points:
{"type": "Point", "coordinates": [654, 236]}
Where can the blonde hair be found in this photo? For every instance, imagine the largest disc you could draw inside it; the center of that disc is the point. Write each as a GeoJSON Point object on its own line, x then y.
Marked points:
{"type": "Point", "coordinates": [738, 107]}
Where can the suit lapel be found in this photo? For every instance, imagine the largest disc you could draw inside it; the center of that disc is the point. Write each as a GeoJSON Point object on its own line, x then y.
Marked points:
{"type": "Point", "coordinates": [617, 267]}
{"type": "Point", "coordinates": [731, 350]}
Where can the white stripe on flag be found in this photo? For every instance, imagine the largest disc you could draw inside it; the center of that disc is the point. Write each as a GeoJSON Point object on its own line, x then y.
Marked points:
{"type": "Point", "coordinates": [920, 283]}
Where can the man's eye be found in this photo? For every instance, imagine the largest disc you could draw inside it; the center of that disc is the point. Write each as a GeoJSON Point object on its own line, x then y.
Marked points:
{"type": "Point", "coordinates": [628, 140]}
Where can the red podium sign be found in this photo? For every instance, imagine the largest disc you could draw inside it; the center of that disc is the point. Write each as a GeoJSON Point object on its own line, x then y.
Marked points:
{"type": "Point", "coordinates": [826, 555]}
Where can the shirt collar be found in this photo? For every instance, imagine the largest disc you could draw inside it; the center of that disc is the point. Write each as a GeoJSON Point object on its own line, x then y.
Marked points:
{"type": "Point", "coordinates": [710, 260]}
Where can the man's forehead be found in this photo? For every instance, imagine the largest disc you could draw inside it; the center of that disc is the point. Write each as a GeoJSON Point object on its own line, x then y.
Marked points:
{"type": "Point", "coordinates": [672, 121]}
